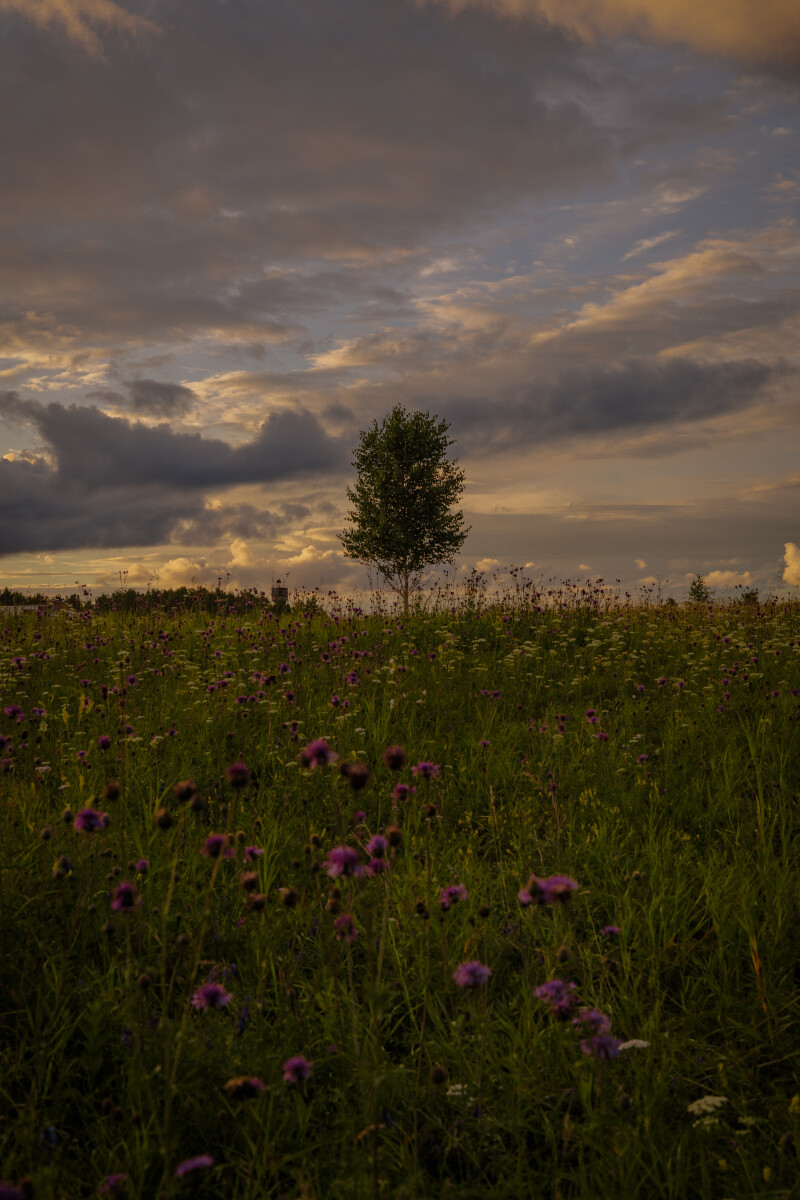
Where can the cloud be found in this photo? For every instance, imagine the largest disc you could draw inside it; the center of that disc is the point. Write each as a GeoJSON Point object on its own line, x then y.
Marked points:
{"type": "Point", "coordinates": [108, 481]}
{"type": "Point", "coordinates": [791, 573]}
{"type": "Point", "coordinates": [645, 244]}
{"type": "Point", "coordinates": [742, 29]}
{"type": "Point", "coordinates": [640, 563]}
{"type": "Point", "coordinates": [149, 397]}
{"type": "Point", "coordinates": [728, 578]}
{"type": "Point", "coordinates": [77, 19]}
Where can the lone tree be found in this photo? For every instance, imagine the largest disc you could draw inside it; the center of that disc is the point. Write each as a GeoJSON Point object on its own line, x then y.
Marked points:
{"type": "Point", "coordinates": [401, 515]}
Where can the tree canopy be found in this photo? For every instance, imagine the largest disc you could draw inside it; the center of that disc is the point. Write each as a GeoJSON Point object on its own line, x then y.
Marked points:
{"type": "Point", "coordinates": [402, 518]}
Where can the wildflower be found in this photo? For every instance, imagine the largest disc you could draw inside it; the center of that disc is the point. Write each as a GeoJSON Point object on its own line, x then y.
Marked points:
{"type": "Point", "coordinates": [216, 844]}
{"type": "Point", "coordinates": [103, 743]}
{"type": "Point", "coordinates": [297, 1070]}
{"type": "Point", "coordinates": [634, 1044]}
{"type": "Point", "coordinates": [557, 995]}
{"type": "Point", "coordinates": [211, 995]}
{"type": "Point", "coordinates": [243, 1087]}
{"type": "Point", "coordinates": [471, 974]}
{"type": "Point", "coordinates": [706, 1105]}
{"type": "Point", "coordinates": [317, 754]}
{"type": "Point", "coordinates": [559, 888]}
{"type": "Point", "coordinates": [451, 895]}
{"type": "Point", "coordinates": [426, 770]}
{"type": "Point", "coordinates": [17, 713]}
{"type": "Point", "coordinates": [184, 789]}
{"type": "Point", "coordinates": [251, 853]}
{"type": "Point", "coordinates": [484, 743]}
{"type": "Point", "coordinates": [125, 898]}
{"type": "Point", "coordinates": [249, 880]}
{"type": "Point", "coordinates": [358, 817]}
{"type": "Point", "coordinates": [112, 790]}
{"type": "Point", "coordinates": [335, 700]}
{"type": "Point", "coordinates": [610, 931]}
{"type": "Point", "coordinates": [377, 846]}
{"type": "Point", "coordinates": [198, 1163]}
{"type": "Point", "coordinates": [89, 820]}
{"type": "Point", "coordinates": [238, 775]}
{"type": "Point", "coordinates": [343, 860]}
{"type": "Point", "coordinates": [112, 1185]}
{"type": "Point", "coordinates": [591, 1020]}
{"type": "Point", "coordinates": [403, 792]}
{"type": "Point", "coordinates": [394, 757]}
{"type": "Point", "coordinates": [601, 1046]}
{"type": "Point", "coordinates": [376, 866]}
{"type": "Point", "coordinates": [345, 928]}
{"type": "Point", "coordinates": [356, 774]}
{"type": "Point", "coordinates": [143, 866]}
{"type": "Point", "coordinates": [641, 758]}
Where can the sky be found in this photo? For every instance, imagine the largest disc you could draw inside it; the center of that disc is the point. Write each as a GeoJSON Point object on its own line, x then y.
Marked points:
{"type": "Point", "coordinates": [233, 233]}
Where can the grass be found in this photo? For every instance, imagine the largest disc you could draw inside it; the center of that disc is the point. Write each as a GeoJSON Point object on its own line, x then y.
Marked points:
{"type": "Point", "coordinates": [618, 746]}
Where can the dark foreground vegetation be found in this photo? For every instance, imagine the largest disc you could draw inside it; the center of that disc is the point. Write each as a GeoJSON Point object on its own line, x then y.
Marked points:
{"type": "Point", "coordinates": [546, 945]}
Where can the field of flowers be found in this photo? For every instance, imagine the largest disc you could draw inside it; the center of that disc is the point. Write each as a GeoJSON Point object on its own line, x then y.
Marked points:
{"type": "Point", "coordinates": [494, 900]}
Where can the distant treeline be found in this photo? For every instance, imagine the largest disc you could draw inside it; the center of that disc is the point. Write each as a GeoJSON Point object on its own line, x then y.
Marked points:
{"type": "Point", "coordinates": [200, 599]}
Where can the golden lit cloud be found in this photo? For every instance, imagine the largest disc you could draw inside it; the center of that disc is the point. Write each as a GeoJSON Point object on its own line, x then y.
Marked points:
{"type": "Point", "coordinates": [791, 574]}
{"type": "Point", "coordinates": [77, 19]}
{"type": "Point", "coordinates": [741, 29]}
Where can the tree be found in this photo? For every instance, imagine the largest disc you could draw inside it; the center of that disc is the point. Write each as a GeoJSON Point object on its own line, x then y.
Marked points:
{"type": "Point", "coordinates": [699, 591]}
{"type": "Point", "coordinates": [406, 486]}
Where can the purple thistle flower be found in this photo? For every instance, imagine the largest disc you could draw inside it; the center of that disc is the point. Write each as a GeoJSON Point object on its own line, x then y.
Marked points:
{"type": "Point", "coordinates": [211, 995]}
{"type": "Point", "coordinates": [345, 928]}
{"type": "Point", "coordinates": [641, 758]}
{"type": "Point", "coordinates": [125, 897]}
{"type": "Point", "coordinates": [559, 888]}
{"type": "Point", "coordinates": [243, 1087]}
{"type": "Point", "coordinates": [402, 791]}
{"type": "Point", "coordinates": [426, 770]}
{"type": "Point", "coordinates": [317, 754]}
{"type": "Point", "coordinates": [394, 757]}
{"type": "Point", "coordinates": [89, 820]}
{"type": "Point", "coordinates": [112, 1185]}
{"type": "Point", "coordinates": [601, 1046]}
{"type": "Point", "coordinates": [216, 844]}
{"type": "Point", "coordinates": [451, 895]}
{"type": "Point", "coordinates": [198, 1163]}
{"type": "Point", "coordinates": [376, 866]}
{"type": "Point", "coordinates": [237, 775]}
{"type": "Point", "coordinates": [16, 712]}
{"type": "Point", "coordinates": [557, 995]}
{"type": "Point", "coordinates": [356, 774]}
{"type": "Point", "coordinates": [252, 853]}
{"type": "Point", "coordinates": [377, 846]}
{"type": "Point", "coordinates": [591, 1021]}
{"type": "Point", "coordinates": [610, 931]}
{"type": "Point", "coordinates": [103, 743]}
{"type": "Point", "coordinates": [132, 680]}
{"type": "Point", "coordinates": [343, 860]}
{"type": "Point", "coordinates": [358, 817]}
{"type": "Point", "coordinates": [471, 974]}
{"type": "Point", "coordinates": [143, 866]}
{"type": "Point", "coordinates": [297, 1070]}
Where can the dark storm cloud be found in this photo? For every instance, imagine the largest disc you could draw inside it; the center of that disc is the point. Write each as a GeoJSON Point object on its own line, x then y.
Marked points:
{"type": "Point", "coordinates": [113, 482]}
{"type": "Point", "coordinates": [632, 397]}
{"type": "Point", "coordinates": [151, 398]}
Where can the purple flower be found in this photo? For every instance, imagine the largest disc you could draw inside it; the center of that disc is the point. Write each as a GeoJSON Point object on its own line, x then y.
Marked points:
{"type": "Point", "coordinates": [143, 866]}
{"type": "Point", "coordinates": [356, 774]}
{"type": "Point", "coordinates": [560, 888]}
{"type": "Point", "coordinates": [451, 895]}
{"type": "Point", "coordinates": [211, 995]}
{"type": "Point", "coordinates": [610, 931]}
{"type": "Point", "coordinates": [216, 844]}
{"type": "Point", "coordinates": [343, 860]}
{"type": "Point", "coordinates": [602, 1046]}
{"type": "Point", "coordinates": [557, 995]}
{"type": "Point", "coordinates": [345, 928]}
{"type": "Point", "coordinates": [89, 820]}
{"type": "Point", "coordinates": [641, 758]}
{"type": "Point", "coordinates": [317, 754]}
{"type": "Point", "coordinates": [16, 712]}
{"type": "Point", "coordinates": [471, 974]}
{"type": "Point", "coordinates": [237, 775]}
{"type": "Point", "coordinates": [198, 1163]}
{"type": "Point", "coordinates": [297, 1070]}
{"type": "Point", "coordinates": [376, 866]}
{"type": "Point", "coordinates": [394, 757]}
{"type": "Point", "coordinates": [103, 743]}
{"type": "Point", "coordinates": [426, 770]}
{"type": "Point", "coordinates": [402, 791]}
{"type": "Point", "coordinates": [125, 897]}
{"type": "Point", "coordinates": [112, 1185]}
{"type": "Point", "coordinates": [251, 853]}
{"type": "Point", "coordinates": [591, 1021]}
{"type": "Point", "coordinates": [377, 846]}
{"type": "Point", "coordinates": [243, 1087]}
{"type": "Point", "coordinates": [358, 817]}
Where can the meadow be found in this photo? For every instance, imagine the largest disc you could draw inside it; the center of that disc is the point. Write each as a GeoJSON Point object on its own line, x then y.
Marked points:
{"type": "Point", "coordinates": [496, 899]}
